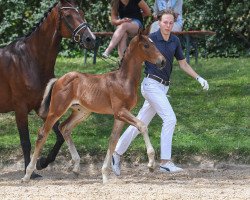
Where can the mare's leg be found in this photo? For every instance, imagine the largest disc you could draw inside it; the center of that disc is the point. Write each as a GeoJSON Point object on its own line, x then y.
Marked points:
{"type": "Point", "coordinates": [44, 162]}
{"type": "Point", "coordinates": [78, 114]}
{"type": "Point", "coordinates": [21, 115]}
{"type": "Point", "coordinates": [117, 128]}
{"type": "Point", "coordinates": [128, 117]}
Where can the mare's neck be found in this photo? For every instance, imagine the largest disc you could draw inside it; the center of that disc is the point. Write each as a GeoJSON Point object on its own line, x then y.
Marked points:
{"type": "Point", "coordinates": [45, 40]}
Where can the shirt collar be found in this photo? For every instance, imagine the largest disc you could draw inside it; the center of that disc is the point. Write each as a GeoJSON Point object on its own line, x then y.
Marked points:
{"type": "Point", "coordinates": [159, 36]}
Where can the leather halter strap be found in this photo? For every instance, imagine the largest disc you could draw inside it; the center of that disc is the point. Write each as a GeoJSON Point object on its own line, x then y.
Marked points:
{"type": "Point", "coordinates": [75, 33]}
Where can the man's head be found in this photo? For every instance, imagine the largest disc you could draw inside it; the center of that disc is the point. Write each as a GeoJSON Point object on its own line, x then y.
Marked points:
{"type": "Point", "coordinates": [166, 20]}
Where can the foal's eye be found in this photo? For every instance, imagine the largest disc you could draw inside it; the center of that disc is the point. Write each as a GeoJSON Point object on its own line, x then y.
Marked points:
{"type": "Point", "coordinates": [146, 45]}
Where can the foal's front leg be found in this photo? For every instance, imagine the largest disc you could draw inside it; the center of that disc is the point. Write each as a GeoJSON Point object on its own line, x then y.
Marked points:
{"type": "Point", "coordinates": [128, 117]}
{"type": "Point", "coordinates": [115, 134]}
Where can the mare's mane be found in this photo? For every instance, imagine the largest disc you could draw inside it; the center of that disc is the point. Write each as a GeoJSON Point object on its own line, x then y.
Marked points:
{"type": "Point", "coordinates": [37, 25]}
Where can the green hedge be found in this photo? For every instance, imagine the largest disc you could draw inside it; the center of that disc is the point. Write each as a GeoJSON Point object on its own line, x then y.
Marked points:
{"type": "Point", "coordinates": [229, 19]}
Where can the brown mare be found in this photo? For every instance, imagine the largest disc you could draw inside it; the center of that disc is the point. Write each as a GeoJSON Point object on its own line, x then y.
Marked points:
{"type": "Point", "coordinates": [112, 93]}
{"type": "Point", "coordinates": [27, 65]}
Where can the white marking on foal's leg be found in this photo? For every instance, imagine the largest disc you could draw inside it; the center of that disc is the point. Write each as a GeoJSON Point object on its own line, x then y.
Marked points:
{"type": "Point", "coordinates": [75, 156]}
{"type": "Point", "coordinates": [105, 167]}
{"type": "Point", "coordinates": [150, 150]}
{"type": "Point", "coordinates": [30, 168]}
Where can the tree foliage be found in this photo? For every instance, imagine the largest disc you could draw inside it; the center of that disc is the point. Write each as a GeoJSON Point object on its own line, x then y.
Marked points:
{"type": "Point", "coordinates": [230, 19]}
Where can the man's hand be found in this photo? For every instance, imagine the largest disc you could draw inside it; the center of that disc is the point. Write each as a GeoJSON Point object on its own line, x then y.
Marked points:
{"type": "Point", "coordinates": [203, 83]}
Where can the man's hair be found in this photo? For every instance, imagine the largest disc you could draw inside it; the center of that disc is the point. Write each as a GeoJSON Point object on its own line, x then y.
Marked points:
{"type": "Point", "coordinates": [167, 11]}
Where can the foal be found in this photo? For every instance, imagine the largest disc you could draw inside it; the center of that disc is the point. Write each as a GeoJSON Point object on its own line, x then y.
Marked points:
{"type": "Point", "coordinates": [112, 93]}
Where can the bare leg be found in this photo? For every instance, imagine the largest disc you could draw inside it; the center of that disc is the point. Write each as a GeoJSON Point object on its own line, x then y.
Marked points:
{"type": "Point", "coordinates": [119, 33]}
{"type": "Point", "coordinates": [78, 114]}
{"type": "Point", "coordinates": [117, 129]}
{"type": "Point", "coordinates": [128, 117]}
{"type": "Point", "coordinates": [122, 45]}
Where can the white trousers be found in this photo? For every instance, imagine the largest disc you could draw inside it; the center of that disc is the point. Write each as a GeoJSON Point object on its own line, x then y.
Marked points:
{"type": "Point", "coordinates": [155, 27]}
{"type": "Point", "coordinates": [156, 101]}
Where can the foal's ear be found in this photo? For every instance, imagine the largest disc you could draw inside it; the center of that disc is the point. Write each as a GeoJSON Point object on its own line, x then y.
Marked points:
{"type": "Point", "coordinates": [140, 32]}
{"type": "Point", "coordinates": [147, 30]}
{"type": "Point", "coordinates": [144, 31]}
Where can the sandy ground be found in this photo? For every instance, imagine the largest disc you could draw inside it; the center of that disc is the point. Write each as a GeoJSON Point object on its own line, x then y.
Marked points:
{"type": "Point", "coordinates": [204, 181]}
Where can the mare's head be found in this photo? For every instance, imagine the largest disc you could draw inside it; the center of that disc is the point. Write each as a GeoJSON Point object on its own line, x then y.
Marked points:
{"type": "Point", "coordinates": [148, 51]}
{"type": "Point", "coordinates": [74, 25]}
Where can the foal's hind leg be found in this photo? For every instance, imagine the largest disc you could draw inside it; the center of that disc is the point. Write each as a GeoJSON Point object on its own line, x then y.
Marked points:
{"type": "Point", "coordinates": [117, 128]}
{"type": "Point", "coordinates": [78, 114]}
{"type": "Point", "coordinates": [128, 117]}
{"type": "Point", "coordinates": [41, 139]}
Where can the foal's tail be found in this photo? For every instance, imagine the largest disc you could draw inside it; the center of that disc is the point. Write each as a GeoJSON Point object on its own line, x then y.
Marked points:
{"type": "Point", "coordinates": [44, 108]}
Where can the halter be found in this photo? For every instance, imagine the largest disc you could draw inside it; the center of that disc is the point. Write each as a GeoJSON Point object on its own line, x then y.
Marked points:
{"type": "Point", "coordinates": [75, 32]}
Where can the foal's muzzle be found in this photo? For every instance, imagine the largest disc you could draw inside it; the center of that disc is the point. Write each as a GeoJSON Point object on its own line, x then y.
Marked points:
{"type": "Point", "coordinates": [161, 62]}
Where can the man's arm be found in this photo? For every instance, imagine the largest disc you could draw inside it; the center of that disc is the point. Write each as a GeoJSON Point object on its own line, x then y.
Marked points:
{"type": "Point", "coordinates": [189, 70]}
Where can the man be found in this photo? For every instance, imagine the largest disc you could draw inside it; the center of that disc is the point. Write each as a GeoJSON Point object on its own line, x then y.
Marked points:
{"type": "Point", "coordinates": [154, 89]}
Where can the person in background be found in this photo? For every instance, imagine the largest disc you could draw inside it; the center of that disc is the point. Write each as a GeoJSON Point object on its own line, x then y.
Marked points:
{"type": "Point", "coordinates": [127, 16]}
{"type": "Point", "coordinates": [161, 5]}
{"type": "Point", "coordinates": [154, 89]}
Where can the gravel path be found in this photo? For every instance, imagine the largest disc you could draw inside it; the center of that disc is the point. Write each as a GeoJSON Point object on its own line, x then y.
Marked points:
{"type": "Point", "coordinates": [206, 181]}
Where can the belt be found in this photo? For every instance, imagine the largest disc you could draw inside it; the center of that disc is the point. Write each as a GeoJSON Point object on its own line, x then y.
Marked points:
{"type": "Point", "coordinates": [160, 80]}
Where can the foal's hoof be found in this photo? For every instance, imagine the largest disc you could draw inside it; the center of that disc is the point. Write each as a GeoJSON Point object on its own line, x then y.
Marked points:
{"type": "Point", "coordinates": [35, 176]}
{"type": "Point", "coordinates": [41, 163]}
{"type": "Point", "coordinates": [23, 180]}
{"type": "Point", "coordinates": [76, 174]}
{"type": "Point", "coordinates": [151, 167]}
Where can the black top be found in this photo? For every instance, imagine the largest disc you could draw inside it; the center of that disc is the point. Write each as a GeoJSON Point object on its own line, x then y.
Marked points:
{"type": "Point", "coordinates": [131, 10]}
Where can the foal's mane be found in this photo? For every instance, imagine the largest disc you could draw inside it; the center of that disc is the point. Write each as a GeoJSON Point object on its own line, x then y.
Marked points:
{"type": "Point", "coordinates": [127, 51]}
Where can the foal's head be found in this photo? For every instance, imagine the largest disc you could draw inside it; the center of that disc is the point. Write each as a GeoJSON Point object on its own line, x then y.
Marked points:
{"type": "Point", "coordinates": [74, 25]}
{"type": "Point", "coordinates": [148, 51]}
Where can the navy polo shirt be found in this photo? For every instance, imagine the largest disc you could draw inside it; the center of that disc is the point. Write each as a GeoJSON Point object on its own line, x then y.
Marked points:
{"type": "Point", "coordinates": [169, 49]}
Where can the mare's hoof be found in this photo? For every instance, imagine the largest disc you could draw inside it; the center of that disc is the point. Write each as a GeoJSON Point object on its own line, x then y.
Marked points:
{"type": "Point", "coordinates": [35, 176]}
{"type": "Point", "coordinates": [41, 163]}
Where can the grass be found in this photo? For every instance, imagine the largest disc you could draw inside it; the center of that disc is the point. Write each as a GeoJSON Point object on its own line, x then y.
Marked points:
{"type": "Point", "coordinates": [213, 124]}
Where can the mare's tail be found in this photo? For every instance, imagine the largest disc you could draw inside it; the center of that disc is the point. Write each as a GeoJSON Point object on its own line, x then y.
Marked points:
{"type": "Point", "coordinates": [44, 108]}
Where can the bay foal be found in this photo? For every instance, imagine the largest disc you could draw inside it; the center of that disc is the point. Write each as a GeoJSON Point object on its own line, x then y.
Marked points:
{"type": "Point", "coordinates": [112, 93]}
